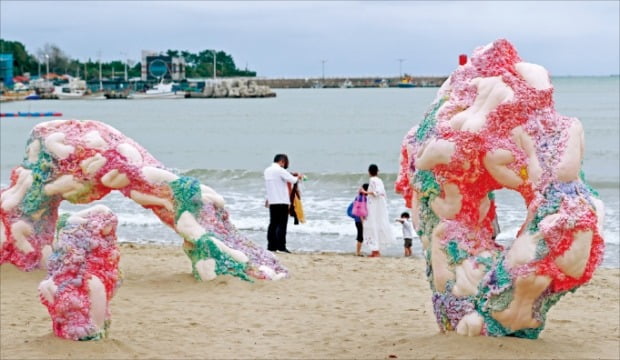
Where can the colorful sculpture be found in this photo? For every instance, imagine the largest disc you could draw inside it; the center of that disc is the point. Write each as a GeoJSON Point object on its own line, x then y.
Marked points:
{"type": "Point", "coordinates": [83, 274]}
{"type": "Point", "coordinates": [82, 161]}
{"type": "Point", "coordinates": [493, 126]}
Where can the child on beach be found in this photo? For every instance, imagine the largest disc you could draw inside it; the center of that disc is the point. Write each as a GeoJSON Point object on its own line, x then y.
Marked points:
{"type": "Point", "coordinates": [358, 225]}
{"type": "Point", "coordinates": [407, 232]}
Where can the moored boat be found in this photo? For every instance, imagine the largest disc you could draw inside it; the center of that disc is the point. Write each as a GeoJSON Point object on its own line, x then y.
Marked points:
{"type": "Point", "coordinates": [159, 91]}
{"type": "Point", "coordinates": [347, 84]}
{"type": "Point", "coordinates": [406, 82]}
{"type": "Point", "coordinates": [15, 95]}
{"type": "Point", "coordinates": [76, 89]}
{"type": "Point", "coordinates": [31, 114]}
{"type": "Point", "coordinates": [317, 85]}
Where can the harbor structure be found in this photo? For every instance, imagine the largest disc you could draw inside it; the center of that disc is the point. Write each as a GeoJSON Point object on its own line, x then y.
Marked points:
{"type": "Point", "coordinates": [6, 69]}
{"type": "Point", "coordinates": [351, 82]}
{"type": "Point", "coordinates": [157, 66]}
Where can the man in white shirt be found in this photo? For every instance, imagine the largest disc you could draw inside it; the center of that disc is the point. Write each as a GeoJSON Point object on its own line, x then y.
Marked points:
{"type": "Point", "coordinates": [278, 200]}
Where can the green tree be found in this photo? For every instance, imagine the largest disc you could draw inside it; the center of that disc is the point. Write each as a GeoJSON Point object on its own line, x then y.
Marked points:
{"type": "Point", "coordinates": [21, 59]}
{"type": "Point", "coordinates": [58, 60]}
{"type": "Point", "coordinates": [136, 70]}
{"type": "Point", "coordinates": [197, 64]}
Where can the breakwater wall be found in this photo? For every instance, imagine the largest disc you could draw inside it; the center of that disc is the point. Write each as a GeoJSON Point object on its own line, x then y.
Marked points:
{"type": "Point", "coordinates": [360, 82]}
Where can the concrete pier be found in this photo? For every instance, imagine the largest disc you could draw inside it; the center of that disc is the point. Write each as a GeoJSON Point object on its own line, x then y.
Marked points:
{"type": "Point", "coordinates": [116, 94]}
{"type": "Point", "coordinates": [361, 82]}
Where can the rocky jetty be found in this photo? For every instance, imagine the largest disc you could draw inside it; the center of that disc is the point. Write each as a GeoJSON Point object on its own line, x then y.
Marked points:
{"type": "Point", "coordinates": [233, 88]}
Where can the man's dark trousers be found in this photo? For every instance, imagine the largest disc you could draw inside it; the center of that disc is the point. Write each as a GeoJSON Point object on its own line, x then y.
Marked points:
{"type": "Point", "coordinates": [276, 233]}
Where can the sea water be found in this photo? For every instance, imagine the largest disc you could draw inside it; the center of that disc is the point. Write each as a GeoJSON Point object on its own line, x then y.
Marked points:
{"type": "Point", "coordinates": [331, 135]}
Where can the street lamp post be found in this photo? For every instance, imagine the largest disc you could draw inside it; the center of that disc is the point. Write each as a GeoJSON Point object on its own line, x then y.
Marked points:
{"type": "Point", "coordinates": [100, 80]}
{"type": "Point", "coordinates": [400, 68]}
{"type": "Point", "coordinates": [125, 61]}
{"type": "Point", "coordinates": [47, 66]}
{"type": "Point", "coordinates": [214, 65]}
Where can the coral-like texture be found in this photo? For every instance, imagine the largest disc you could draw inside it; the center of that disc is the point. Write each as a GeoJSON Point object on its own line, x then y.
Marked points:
{"type": "Point", "coordinates": [82, 161]}
{"type": "Point", "coordinates": [83, 274]}
{"type": "Point", "coordinates": [493, 126]}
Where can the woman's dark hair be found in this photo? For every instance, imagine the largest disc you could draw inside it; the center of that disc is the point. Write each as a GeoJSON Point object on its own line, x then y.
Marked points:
{"type": "Point", "coordinates": [405, 215]}
{"type": "Point", "coordinates": [373, 170]}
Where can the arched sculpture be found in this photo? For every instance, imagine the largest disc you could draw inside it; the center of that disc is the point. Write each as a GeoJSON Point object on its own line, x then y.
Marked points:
{"type": "Point", "coordinates": [83, 274]}
{"type": "Point", "coordinates": [493, 126]}
{"type": "Point", "coordinates": [82, 161]}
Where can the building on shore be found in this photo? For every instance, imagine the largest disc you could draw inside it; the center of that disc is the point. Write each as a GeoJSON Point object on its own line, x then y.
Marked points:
{"type": "Point", "coordinates": [6, 69]}
{"type": "Point", "coordinates": [157, 66]}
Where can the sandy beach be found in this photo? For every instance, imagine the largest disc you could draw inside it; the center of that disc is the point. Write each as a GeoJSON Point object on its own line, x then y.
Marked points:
{"type": "Point", "coordinates": [333, 306]}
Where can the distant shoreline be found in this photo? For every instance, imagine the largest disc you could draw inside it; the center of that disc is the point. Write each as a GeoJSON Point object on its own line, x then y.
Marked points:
{"type": "Point", "coordinates": [373, 81]}
{"type": "Point", "coordinates": [351, 82]}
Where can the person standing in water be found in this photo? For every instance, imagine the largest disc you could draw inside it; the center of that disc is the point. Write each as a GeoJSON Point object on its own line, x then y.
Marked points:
{"type": "Point", "coordinates": [359, 224]}
{"type": "Point", "coordinates": [278, 201]}
{"type": "Point", "coordinates": [377, 228]}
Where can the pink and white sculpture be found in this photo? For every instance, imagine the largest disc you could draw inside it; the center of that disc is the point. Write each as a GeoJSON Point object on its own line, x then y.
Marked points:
{"type": "Point", "coordinates": [83, 274]}
{"type": "Point", "coordinates": [493, 126]}
{"type": "Point", "coordinates": [82, 161]}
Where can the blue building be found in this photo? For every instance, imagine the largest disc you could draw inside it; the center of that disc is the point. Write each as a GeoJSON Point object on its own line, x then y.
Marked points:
{"type": "Point", "coordinates": [6, 69]}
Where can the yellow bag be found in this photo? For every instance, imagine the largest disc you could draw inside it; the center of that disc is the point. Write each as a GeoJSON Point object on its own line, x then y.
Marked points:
{"type": "Point", "coordinates": [299, 210]}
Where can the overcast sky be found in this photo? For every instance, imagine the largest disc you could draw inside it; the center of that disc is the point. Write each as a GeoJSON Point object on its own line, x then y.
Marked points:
{"type": "Point", "coordinates": [355, 38]}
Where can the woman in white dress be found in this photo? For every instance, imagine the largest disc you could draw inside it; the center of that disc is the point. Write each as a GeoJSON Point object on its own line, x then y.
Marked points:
{"type": "Point", "coordinates": [377, 227]}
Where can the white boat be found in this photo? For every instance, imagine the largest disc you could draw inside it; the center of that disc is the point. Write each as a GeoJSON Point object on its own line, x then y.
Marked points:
{"type": "Point", "coordinates": [347, 84]}
{"type": "Point", "coordinates": [79, 95]}
{"type": "Point", "coordinates": [317, 85]}
{"type": "Point", "coordinates": [159, 91]}
{"type": "Point", "coordinates": [76, 89]}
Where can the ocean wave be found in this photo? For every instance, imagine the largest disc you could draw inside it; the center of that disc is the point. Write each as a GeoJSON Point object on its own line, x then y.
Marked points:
{"type": "Point", "coordinates": [245, 177]}
{"type": "Point", "coordinates": [239, 174]}
{"type": "Point", "coordinates": [604, 184]}
{"type": "Point", "coordinates": [216, 176]}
